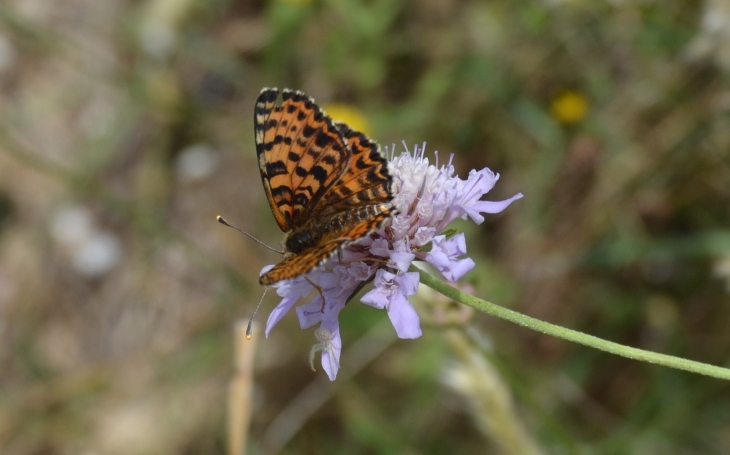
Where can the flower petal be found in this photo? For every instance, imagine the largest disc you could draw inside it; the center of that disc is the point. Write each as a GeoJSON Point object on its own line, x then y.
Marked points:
{"type": "Point", "coordinates": [281, 309]}
{"type": "Point", "coordinates": [402, 260]}
{"type": "Point", "coordinates": [424, 234]}
{"type": "Point", "coordinates": [408, 283]}
{"type": "Point", "coordinates": [455, 246]}
{"type": "Point", "coordinates": [331, 347]}
{"type": "Point", "coordinates": [404, 318]}
{"type": "Point", "coordinates": [379, 296]}
{"type": "Point", "coordinates": [474, 209]}
{"type": "Point", "coordinates": [359, 271]}
{"type": "Point", "coordinates": [458, 269]}
{"type": "Point", "coordinates": [379, 248]}
{"type": "Point", "coordinates": [310, 313]}
{"type": "Point", "coordinates": [376, 298]}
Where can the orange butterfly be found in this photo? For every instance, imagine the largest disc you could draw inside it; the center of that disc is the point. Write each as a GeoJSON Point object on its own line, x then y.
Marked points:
{"type": "Point", "coordinates": [327, 185]}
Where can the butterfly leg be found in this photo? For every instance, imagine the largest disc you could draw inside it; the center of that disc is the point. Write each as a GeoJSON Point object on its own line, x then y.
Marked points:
{"type": "Point", "coordinates": [319, 289]}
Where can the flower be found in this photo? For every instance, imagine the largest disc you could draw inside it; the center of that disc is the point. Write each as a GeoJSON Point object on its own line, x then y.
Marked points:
{"type": "Point", "coordinates": [444, 256]}
{"type": "Point", "coordinates": [428, 198]}
{"type": "Point", "coordinates": [391, 293]}
{"type": "Point", "coordinates": [350, 115]}
{"type": "Point", "coordinates": [569, 107]}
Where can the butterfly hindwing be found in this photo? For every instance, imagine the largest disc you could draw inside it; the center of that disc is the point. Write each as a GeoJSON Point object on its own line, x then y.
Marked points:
{"type": "Point", "coordinates": [353, 224]}
{"type": "Point", "coordinates": [298, 264]}
{"type": "Point", "coordinates": [301, 154]}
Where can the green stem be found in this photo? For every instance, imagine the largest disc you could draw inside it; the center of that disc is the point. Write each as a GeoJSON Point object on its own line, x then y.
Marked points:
{"type": "Point", "coordinates": [568, 334]}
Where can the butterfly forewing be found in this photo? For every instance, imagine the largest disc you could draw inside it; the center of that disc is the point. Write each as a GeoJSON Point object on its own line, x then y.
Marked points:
{"type": "Point", "coordinates": [367, 179]}
{"type": "Point", "coordinates": [301, 154]}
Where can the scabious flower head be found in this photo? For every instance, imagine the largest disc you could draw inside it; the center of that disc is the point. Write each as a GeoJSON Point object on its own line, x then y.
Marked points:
{"type": "Point", "coordinates": [428, 198]}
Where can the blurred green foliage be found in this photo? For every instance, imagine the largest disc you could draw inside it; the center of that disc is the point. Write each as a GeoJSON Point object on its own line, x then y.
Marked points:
{"type": "Point", "coordinates": [623, 231]}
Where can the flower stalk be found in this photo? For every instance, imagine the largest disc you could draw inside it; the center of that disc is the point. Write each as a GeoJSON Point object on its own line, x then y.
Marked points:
{"type": "Point", "coordinates": [568, 334]}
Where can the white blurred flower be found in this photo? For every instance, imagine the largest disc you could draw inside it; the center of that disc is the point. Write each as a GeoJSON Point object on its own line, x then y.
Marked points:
{"type": "Point", "coordinates": [72, 226]}
{"type": "Point", "coordinates": [722, 270]}
{"type": "Point", "coordinates": [7, 55]}
{"type": "Point", "coordinates": [713, 39]}
{"type": "Point", "coordinates": [160, 24]}
{"type": "Point", "coordinates": [98, 255]}
{"type": "Point", "coordinates": [93, 253]}
{"type": "Point", "coordinates": [195, 162]}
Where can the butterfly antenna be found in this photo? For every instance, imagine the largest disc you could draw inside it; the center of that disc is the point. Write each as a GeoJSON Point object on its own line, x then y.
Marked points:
{"type": "Point", "coordinates": [223, 221]}
{"type": "Point", "coordinates": [250, 321]}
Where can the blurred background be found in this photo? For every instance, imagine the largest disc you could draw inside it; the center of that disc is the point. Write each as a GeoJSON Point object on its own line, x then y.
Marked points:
{"type": "Point", "coordinates": [126, 127]}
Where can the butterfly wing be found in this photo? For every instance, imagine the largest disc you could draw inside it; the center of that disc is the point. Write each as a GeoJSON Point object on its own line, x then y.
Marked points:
{"type": "Point", "coordinates": [298, 264]}
{"type": "Point", "coordinates": [359, 222]}
{"type": "Point", "coordinates": [301, 154]}
{"type": "Point", "coordinates": [367, 179]}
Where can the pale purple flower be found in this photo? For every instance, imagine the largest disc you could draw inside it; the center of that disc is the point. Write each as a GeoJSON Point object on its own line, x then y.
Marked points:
{"type": "Point", "coordinates": [428, 198]}
{"type": "Point", "coordinates": [391, 291]}
{"type": "Point", "coordinates": [444, 256]}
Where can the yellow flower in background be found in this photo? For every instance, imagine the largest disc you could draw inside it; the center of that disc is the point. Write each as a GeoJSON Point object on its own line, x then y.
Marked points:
{"type": "Point", "coordinates": [569, 107]}
{"type": "Point", "coordinates": [350, 115]}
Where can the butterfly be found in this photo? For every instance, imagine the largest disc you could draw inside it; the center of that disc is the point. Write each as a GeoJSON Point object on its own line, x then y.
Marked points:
{"type": "Point", "coordinates": [327, 184]}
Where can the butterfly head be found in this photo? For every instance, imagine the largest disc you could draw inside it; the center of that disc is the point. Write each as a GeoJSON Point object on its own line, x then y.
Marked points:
{"type": "Point", "coordinates": [301, 240]}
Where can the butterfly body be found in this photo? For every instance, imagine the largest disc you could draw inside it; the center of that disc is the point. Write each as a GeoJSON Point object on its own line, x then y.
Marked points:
{"type": "Point", "coordinates": [327, 184]}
